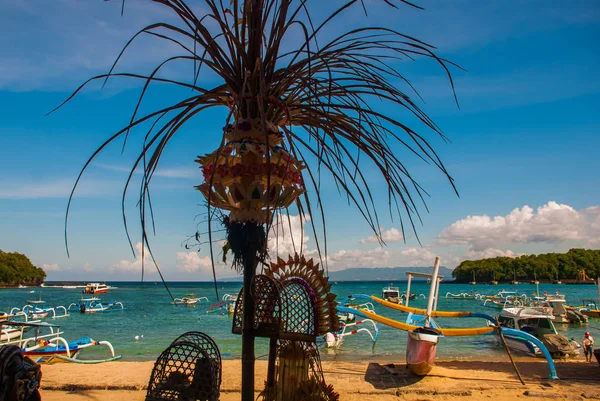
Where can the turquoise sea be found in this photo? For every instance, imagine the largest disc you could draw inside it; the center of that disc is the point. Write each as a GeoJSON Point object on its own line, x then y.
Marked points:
{"type": "Point", "coordinates": [150, 314]}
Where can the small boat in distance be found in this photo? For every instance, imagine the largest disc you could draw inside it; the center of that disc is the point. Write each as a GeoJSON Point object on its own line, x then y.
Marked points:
{"type": "Point", "coordinates": [188, 300]}
{"type": "Point", "coordinates": [94, 305]}
{"type": "Point", "coordinates": [391, 294]}
{"type": "Point", "coordinates": [96, 288]}
{"type": "Point", "coordinates": [494, 282]}
{"type": "Point", "coordinates": [514, 278]}
{"type": "Point", "coordinates": [473, 282]}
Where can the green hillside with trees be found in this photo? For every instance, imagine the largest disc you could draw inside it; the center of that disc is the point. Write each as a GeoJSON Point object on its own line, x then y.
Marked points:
{"type": "Point", "coordinates": [16, 268]}
{"type": "Point", "coordinates": [548, 266]}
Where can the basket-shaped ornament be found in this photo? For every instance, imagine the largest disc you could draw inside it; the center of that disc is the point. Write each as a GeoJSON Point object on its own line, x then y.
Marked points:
{"type": "Point", "coordinates": [252, 173]}
{"type": "Point", "coordinates": [188, 370]}
{"type": "Point", "coordinates": [283, 310]}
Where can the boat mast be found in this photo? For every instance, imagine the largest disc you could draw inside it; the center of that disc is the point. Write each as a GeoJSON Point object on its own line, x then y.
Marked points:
{"type": "Point", "coordinates": [432, 287]}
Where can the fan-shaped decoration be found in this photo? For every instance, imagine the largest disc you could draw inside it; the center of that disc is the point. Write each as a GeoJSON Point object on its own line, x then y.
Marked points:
{"type": "Point", "coordinates": [308, 273]}
{"type": "Point", "coordinates": [283, 310]}
{"type": "Point", "coordinates": [189, 369]}
{"type": "Point", "coordinates": [252, 173]}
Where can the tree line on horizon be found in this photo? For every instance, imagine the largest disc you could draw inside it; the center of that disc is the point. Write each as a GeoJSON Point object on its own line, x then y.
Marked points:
{"type": "Point", "coordinates": [551, 266]}
{"type": "Point", "coordinates": [16, 268]}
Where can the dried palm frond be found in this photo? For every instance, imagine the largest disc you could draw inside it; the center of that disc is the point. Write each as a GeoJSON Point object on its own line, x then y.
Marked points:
{"type": "Point", "coordinates": [328, 97]}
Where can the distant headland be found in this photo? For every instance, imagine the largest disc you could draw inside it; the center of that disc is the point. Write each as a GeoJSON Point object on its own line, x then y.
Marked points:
{"type": "Point", "coordinates": [16, 269]}
{"type": "Point", "coordinates": [577, 266]}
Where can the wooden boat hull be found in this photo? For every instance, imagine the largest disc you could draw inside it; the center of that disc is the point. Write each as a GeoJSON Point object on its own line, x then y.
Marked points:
{"type": "Point", "coordinates": [591, 313]}
{"type": "Point", "coordinates": [420, 351]}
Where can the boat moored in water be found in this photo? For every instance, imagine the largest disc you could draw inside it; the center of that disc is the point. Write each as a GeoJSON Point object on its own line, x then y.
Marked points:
{"type": "Point", "coordinates": [391, 294]}
{"type": "Point", "coordinates": [189, 300]}
{"type": "Point", "coordinates": [538, 322]}
{"type": "Point", "coordinates": [95, 288]}
{"type": "Point", "coordinates": [95, 305]}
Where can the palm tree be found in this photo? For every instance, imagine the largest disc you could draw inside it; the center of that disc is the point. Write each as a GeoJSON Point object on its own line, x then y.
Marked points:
{"type": "Point", "coordinates": [318, 99]}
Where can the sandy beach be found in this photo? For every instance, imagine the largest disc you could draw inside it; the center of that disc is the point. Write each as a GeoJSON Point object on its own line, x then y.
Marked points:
{"type": "Point", "coordinates": [365, 381]}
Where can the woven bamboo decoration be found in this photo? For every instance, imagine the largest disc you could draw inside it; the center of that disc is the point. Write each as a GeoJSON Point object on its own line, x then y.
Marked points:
{"type": "Point", "coordinates": [297, 267]}
{"type": "Point", "coordinates": [252, 173]}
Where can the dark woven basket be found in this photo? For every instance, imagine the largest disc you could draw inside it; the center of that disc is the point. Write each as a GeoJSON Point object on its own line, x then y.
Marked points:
{"type": "Point", "coordinates": [188, 370]}
{"type": "Point", "coordinates": [284, 310]}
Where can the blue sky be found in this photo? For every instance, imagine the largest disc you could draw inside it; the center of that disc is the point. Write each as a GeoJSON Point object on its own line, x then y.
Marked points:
{"type": "Point", "coordinates": [523, 152]}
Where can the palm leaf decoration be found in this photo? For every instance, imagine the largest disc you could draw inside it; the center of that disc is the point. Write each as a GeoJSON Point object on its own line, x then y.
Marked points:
{"type": "Point", "coordinates": [329, 98]}
{"type": "Point", "coordinates": [322, 95]}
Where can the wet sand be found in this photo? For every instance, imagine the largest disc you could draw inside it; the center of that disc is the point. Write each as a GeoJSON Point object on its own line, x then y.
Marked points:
{"type": "Point", "coordinates": [354, 381]}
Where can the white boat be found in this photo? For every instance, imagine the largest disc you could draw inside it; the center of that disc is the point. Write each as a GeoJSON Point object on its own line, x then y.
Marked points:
{"type": "Point", "coordinates": [335, 340]}
{"type": "Point", "coordinates": [36, 309]}
{"type": "Point", "coordinates": [95, 305]}
{"type": "Point", "coordinates": [46, 344]}
{"type": "Point", "coordinates": [391, 294]}
{"type": "Point", "coordinates": [188, 300]}
{"type": "Point", "coordinates": [538, 322]}
{"type": "Point", "coordinates": [96, 288]}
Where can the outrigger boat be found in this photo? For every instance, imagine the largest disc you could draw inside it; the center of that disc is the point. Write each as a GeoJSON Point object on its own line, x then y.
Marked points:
{"type": "Point", "coordinates": [36, 309]}
{"type": "Point", "coordinates": [95, 305]}
{"type": "Point", "coordinates": [51, 347]}
{"type": "Point", "coordinates": [590, 306]}
{"type": "Point", "coordinates": [424, 332]}
{"type": "Point", "coordinates": [188, 300]}
{"type": "Point", "coordinates": [335, 340]}
{"type": "Point", "coordinates": [227, 305]}
{"type": "Point", "coordinates": [463, 295]}
{"type": "Point", "coordinates": [9, 332]}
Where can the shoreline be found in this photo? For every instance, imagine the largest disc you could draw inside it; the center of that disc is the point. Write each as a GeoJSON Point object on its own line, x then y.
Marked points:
{"type": "Point", "coordinates": [451, 379]}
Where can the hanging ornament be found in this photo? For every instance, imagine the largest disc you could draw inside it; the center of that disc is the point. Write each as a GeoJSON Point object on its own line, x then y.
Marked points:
{"type": "Point", "coordinates": [252, 174]}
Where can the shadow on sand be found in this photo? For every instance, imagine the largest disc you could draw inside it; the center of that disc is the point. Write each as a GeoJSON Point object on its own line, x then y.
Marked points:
{"type": "Point", "coordinates": [384, 377]}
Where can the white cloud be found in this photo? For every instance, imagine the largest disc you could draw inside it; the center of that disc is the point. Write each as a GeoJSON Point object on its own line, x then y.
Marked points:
{"type": "Point", "coordinates": [342, 259]}
{"type": "Point", "coordinates": [52, 267]}
{"type": "Point", "coordinates": [553, 223]}
{"type": "Point", "coordinates": [287, 236]}
{"type": "Point", "coordinates": [490, 253]}
{"type": "Point", "coordinates": [176, 172]}
{"type": "Point", "coordinates": [418, 257]}
{"type": "Point", "coordinates": [61, 188]}
{"type": "Point", "coordinates": [191, 262]}
{"type": "Point", "coordinates": [391, 235]}
{"type": "Point", "coordinates": [133, 265]}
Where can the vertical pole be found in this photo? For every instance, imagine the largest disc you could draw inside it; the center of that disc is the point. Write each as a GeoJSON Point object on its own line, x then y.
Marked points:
{"type": "Point", "coordinates": [437, 293]}
{"type": "Point", "coordinates": [251, 232]}
{"type": "Point", "coordinates": [436, 269]}
{"type": "Point", "coordinates": [272, 360]}
{"type": "Point", "coordinates": [598, 281]}
{"type": "Point", "coordinates": [248, 308]}
{"type": "Point", "coordinates": [408, 288]}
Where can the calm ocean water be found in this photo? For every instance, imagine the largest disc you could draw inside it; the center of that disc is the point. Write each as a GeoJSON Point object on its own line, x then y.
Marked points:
{"type": "Point", "coordinates": [150, 314]}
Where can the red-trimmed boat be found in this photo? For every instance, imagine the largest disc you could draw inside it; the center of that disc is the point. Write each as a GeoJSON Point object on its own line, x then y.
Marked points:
{"type": "Point", "coordinates": [96, 288]}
